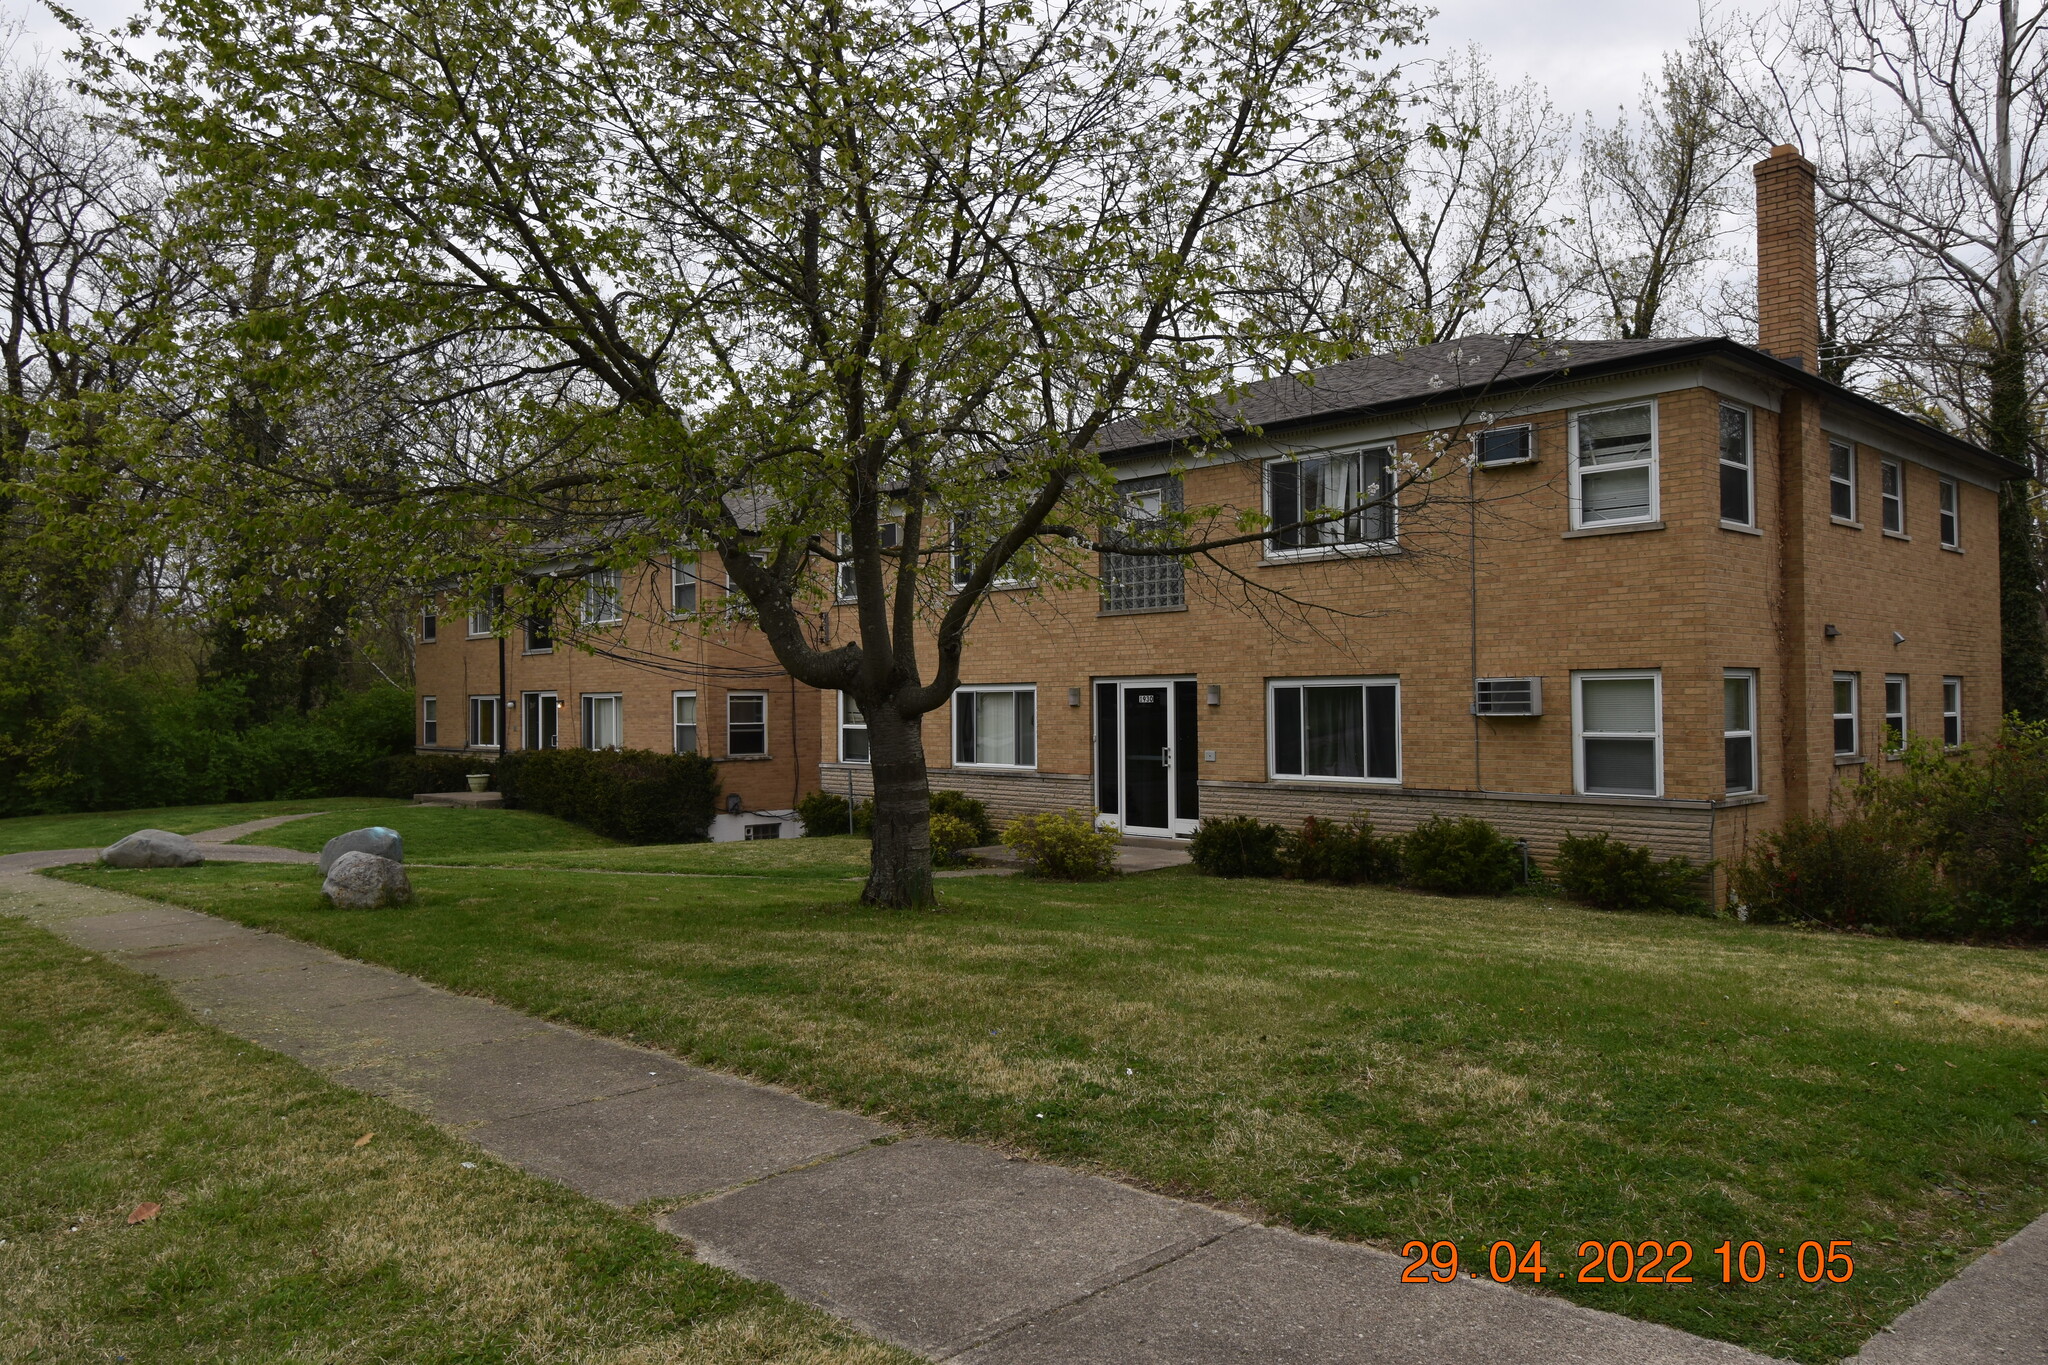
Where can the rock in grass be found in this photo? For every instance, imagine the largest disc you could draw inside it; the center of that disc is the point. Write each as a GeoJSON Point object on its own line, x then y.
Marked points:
{"type": "Point", "coordinates": [364, 881]}
{"type": "Point", "coordinates": [385, 843]}
{"type": "Point", "coordinates": [153, 848]}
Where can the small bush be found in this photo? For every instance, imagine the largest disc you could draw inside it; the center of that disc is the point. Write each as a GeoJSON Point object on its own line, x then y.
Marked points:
{"type": "Point", "coordinates": [864, 819]}
{"type": "Point", "coordinates": [1236, 846]}
{"type": "Point", "coordinates": [1844, 875]}
{"type": "Point", "coordinates": [974, 813]}
{"type": "Point", "coordinates": [1462, 857]}
{"type": "Point", "coordinates": [1608, 874]}
{"type": "Point", "coordinates": [637, 796]}
{"type": "Point", "coordinates": [407, 775]}
{"type": "Point", "coordinates": [1325, 851]}
{"type": "Point", "coordinates": [951, 838]}
{"type": "Point", "coordinates": [1066, 846]}
{"type": "Point", "coordinates": [822, 814]}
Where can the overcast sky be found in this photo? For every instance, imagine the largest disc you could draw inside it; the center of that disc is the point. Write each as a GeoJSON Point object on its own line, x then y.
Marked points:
{"type": "Point", "coordinates": [1590, 54]}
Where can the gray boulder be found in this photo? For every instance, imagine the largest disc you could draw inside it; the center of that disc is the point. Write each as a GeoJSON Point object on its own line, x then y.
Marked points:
{"type": "Point", "coordinates": [385, 843]}
{"type": "Point", "coordinates": [364, 881]}
{"type": "Point", "coordinates": [153, 848]}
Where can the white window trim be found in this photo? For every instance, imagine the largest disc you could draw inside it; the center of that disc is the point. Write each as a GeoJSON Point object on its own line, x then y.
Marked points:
{"type": "Point", "coordinates": [1855, 505]}
{"type": "Point", "coordinates": [953, 730]}
{"type": "Point", "coordinates": [1656, 467]}
{"type": "Point", "coordinates": [1530, 458]}
{"type": "Point", "coordinates": [498, 728]}
{"type": "Point", "coordinates": [1948, 513]}
{"type": "Point", "coordinates": [678, 571]}
{"type": "Point", "coordinates": [1006, 578]}
{"type": "Point", "coordinates": [1947, 683]}
{"type": "Point", "coordinates": [1884, 499]}
{"type": "Point", "coordinates": [530, 708]}
{"type": "Point", "coordinates": [470, 632]}
{"type": "Point", "coordinates": [1904, 713]}
{"type": "Point", "coordinates": [1755, 755]}
{"type": "Point", "coordinates": [843, 727]}
{"type": "Point", "coordinates": [427, 635]}
{"type": "Point", "coordinates": [732, 697]}
{"type": "Point", "coordinates": [674, 699]}
{"type": "Point", "coordinates": [1579, 734]}
{"type": "Point", "coordinates": [1354, 549]}
{"type": "Point", "coordinates": [430, 714]}
{"type": "Point", "coordinates": [1854, 713]}
{"type": "Point", "coordinates": [618, 596]}
{"type": "Point", "coordinates": [584, 710]}
{"type": "Point", "coordinates": [1273, 773]}
{"type": "Point", "coordinates": [1721, 462]}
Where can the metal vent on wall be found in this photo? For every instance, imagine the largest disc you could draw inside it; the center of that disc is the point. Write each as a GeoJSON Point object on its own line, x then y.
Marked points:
{"type": "Point", "coordinates": [1507, 696]}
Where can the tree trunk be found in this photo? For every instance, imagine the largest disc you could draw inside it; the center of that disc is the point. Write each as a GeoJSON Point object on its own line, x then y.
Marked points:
{"type": "Point", "coordinates": [2023, 628]}
{"type": "Point", "coordinates": [900, 873]}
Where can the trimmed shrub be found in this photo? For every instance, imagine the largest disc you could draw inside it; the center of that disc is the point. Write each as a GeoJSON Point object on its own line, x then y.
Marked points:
{"type": "Point", "coordinates": [407, 775]}
{"type": "Point", "coordinates": [1846, 875]}
{"type": "Point", "coordinates": [1325, 851]}
{"type": "Point", "coordinates": [1066, 846]}
{"type": "Point", "coordinates": [965, 808]}
{"type": "Point", "coordinates": [951, 838]}
{"type": "Point", "coordinates": [1608, 874]}
{"type": "Point", "coordinates": [1462, 857]}
{"type": "Point", "coordinates": [1236, 846]}
{"type": "Point", "coordinates": [823, 813]}
{"type": "Point", "coordinates": [637, 796]}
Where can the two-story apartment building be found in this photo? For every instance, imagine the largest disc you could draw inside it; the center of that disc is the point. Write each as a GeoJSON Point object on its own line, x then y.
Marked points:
{"type": "Point", "coordinates": [661, 658]}
{"type": "Point", "coordinates": [1672, 589]}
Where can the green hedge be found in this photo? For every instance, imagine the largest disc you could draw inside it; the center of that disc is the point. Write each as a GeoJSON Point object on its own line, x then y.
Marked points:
{"type": "Point", "coordinates": [637, 796]}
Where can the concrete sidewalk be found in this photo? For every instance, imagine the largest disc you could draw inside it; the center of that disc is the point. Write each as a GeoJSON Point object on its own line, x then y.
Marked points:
{"type": "Point", "coordinates": [948, 1249]}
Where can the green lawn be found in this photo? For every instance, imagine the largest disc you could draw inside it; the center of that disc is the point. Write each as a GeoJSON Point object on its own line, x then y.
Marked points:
{"type": "Point", "coordinates": [280, 1238]}
{"type": "Point", "coordinates": [97, 829]}
{"type": "Point", "coordinates": [1368, 1064]}
{"type": "Point", "coordinates": [438, 832]}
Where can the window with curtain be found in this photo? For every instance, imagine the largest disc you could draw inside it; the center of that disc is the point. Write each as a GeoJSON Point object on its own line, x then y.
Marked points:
{"type": "Point", "coordinates": [996, 727]}
{"type": "Point", "coordinates": [1619, 723]}
{"type": "Point", "coordinates": [601, 599]}
{"type": "Point", "coordinates": [483, 722]}
{"type": "Point", "coordinates": [604, 720]}
{"type": "Point", "coordinates": [1358, 483]}
{"type": "Point", "coordinates": [853, 731]}
{"type": "Point", "coordinates": [1614, 465]}
{"type": "Point", "coordinates": [1345, 728]}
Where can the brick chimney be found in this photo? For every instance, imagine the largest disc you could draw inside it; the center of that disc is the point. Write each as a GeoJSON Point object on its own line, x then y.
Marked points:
{"type": "Point", "coordinates": [1787, 278]}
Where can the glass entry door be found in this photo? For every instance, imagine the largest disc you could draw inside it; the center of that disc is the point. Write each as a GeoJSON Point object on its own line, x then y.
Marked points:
{"type": "Point", "coordinates": [543, 712]}
{"type": "Point", "coordinates": [1145, 736]}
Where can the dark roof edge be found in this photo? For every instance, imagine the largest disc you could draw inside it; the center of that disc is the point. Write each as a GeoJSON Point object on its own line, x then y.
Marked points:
{"type": "Point", "coordinates": [1679, 350]}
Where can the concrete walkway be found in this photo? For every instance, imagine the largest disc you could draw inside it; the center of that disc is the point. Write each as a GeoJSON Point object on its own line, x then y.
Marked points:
{"type": "Point", "coordinates": [951, 1250]}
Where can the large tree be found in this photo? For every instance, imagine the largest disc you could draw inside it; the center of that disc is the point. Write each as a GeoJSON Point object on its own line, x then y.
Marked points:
{"type": "Point", "coordinates": [1928, 122]}
{"type": "Point", "coordinates": [770, 279]}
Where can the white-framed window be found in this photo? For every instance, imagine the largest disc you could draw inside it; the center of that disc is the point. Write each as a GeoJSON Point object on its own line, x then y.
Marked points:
{"type": "Point", "coordinates": [1894, 713]}
{"type": "Point", "coordinates": [1891, 476]}
{"type": "Point", "coordinates": [1841, 481]}
{"type": "Point", "coordinates": [1848, 731]}
{"type": "Point", "coordinates": [483, 619]}
{"type": "Point", "coordinates": [1951, 712]}
{"type": "Point", "coordinates": [967, 550]}
{"type": "Point", "coordinates": [540, 634]}
{"type": "Point", "coordinates": [995, 727]}
{"type": "Point", "coordinates": [483, 722]}
{"type": "Point", "coordinates": [1334, 729]}
{"type": "Point", "coordinates": [891, 536]}
{"type": "Point", "coordinates": [1614, 465]}
{"type": "Point", "coordinates": [1738, 729]}
{"type": "Point", "coordinates": [853, 731]}
{"type": "Point", "coordinates": [682, 587]}
{"type": "Point", "coordinates": [1951, 514]}
{"type": "Point", "coordinates": [1358, 483]}
{"type": "Point", "coordinates": [430, 623]}
{"type": "Point", "coordinates": [1504, 445]}
{"type": "Point", "coordinates": [601, 598]}
{"type": "Point", "coordinates": [604, 720]}
{"type": "Point", "coordinates": [430, 722]}
{"type": "Point", "coordinates": [1618, 716]}
{"type": "Point", "coordinates": [685, 707]}
{"type": "Point", "coordinates": [746, 723]}
{"type": "Point", "coordinates": [1738, 466]}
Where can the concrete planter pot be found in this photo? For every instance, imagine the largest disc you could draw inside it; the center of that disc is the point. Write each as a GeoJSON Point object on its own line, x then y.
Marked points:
{"type": "Point", "coordinates": [479, 782]}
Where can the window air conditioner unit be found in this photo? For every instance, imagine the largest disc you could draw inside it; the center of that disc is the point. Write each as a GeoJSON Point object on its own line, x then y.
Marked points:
{"type": "Point", "coordinates": [1507, 696]}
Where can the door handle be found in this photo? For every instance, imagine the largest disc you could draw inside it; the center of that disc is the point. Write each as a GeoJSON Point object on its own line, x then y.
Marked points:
{"type": "Point", "coordinates": [1166, 758]}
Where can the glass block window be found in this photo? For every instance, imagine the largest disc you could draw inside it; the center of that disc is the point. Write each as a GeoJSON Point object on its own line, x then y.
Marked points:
{"type": "Point", "coordinates": [1145, 582]}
